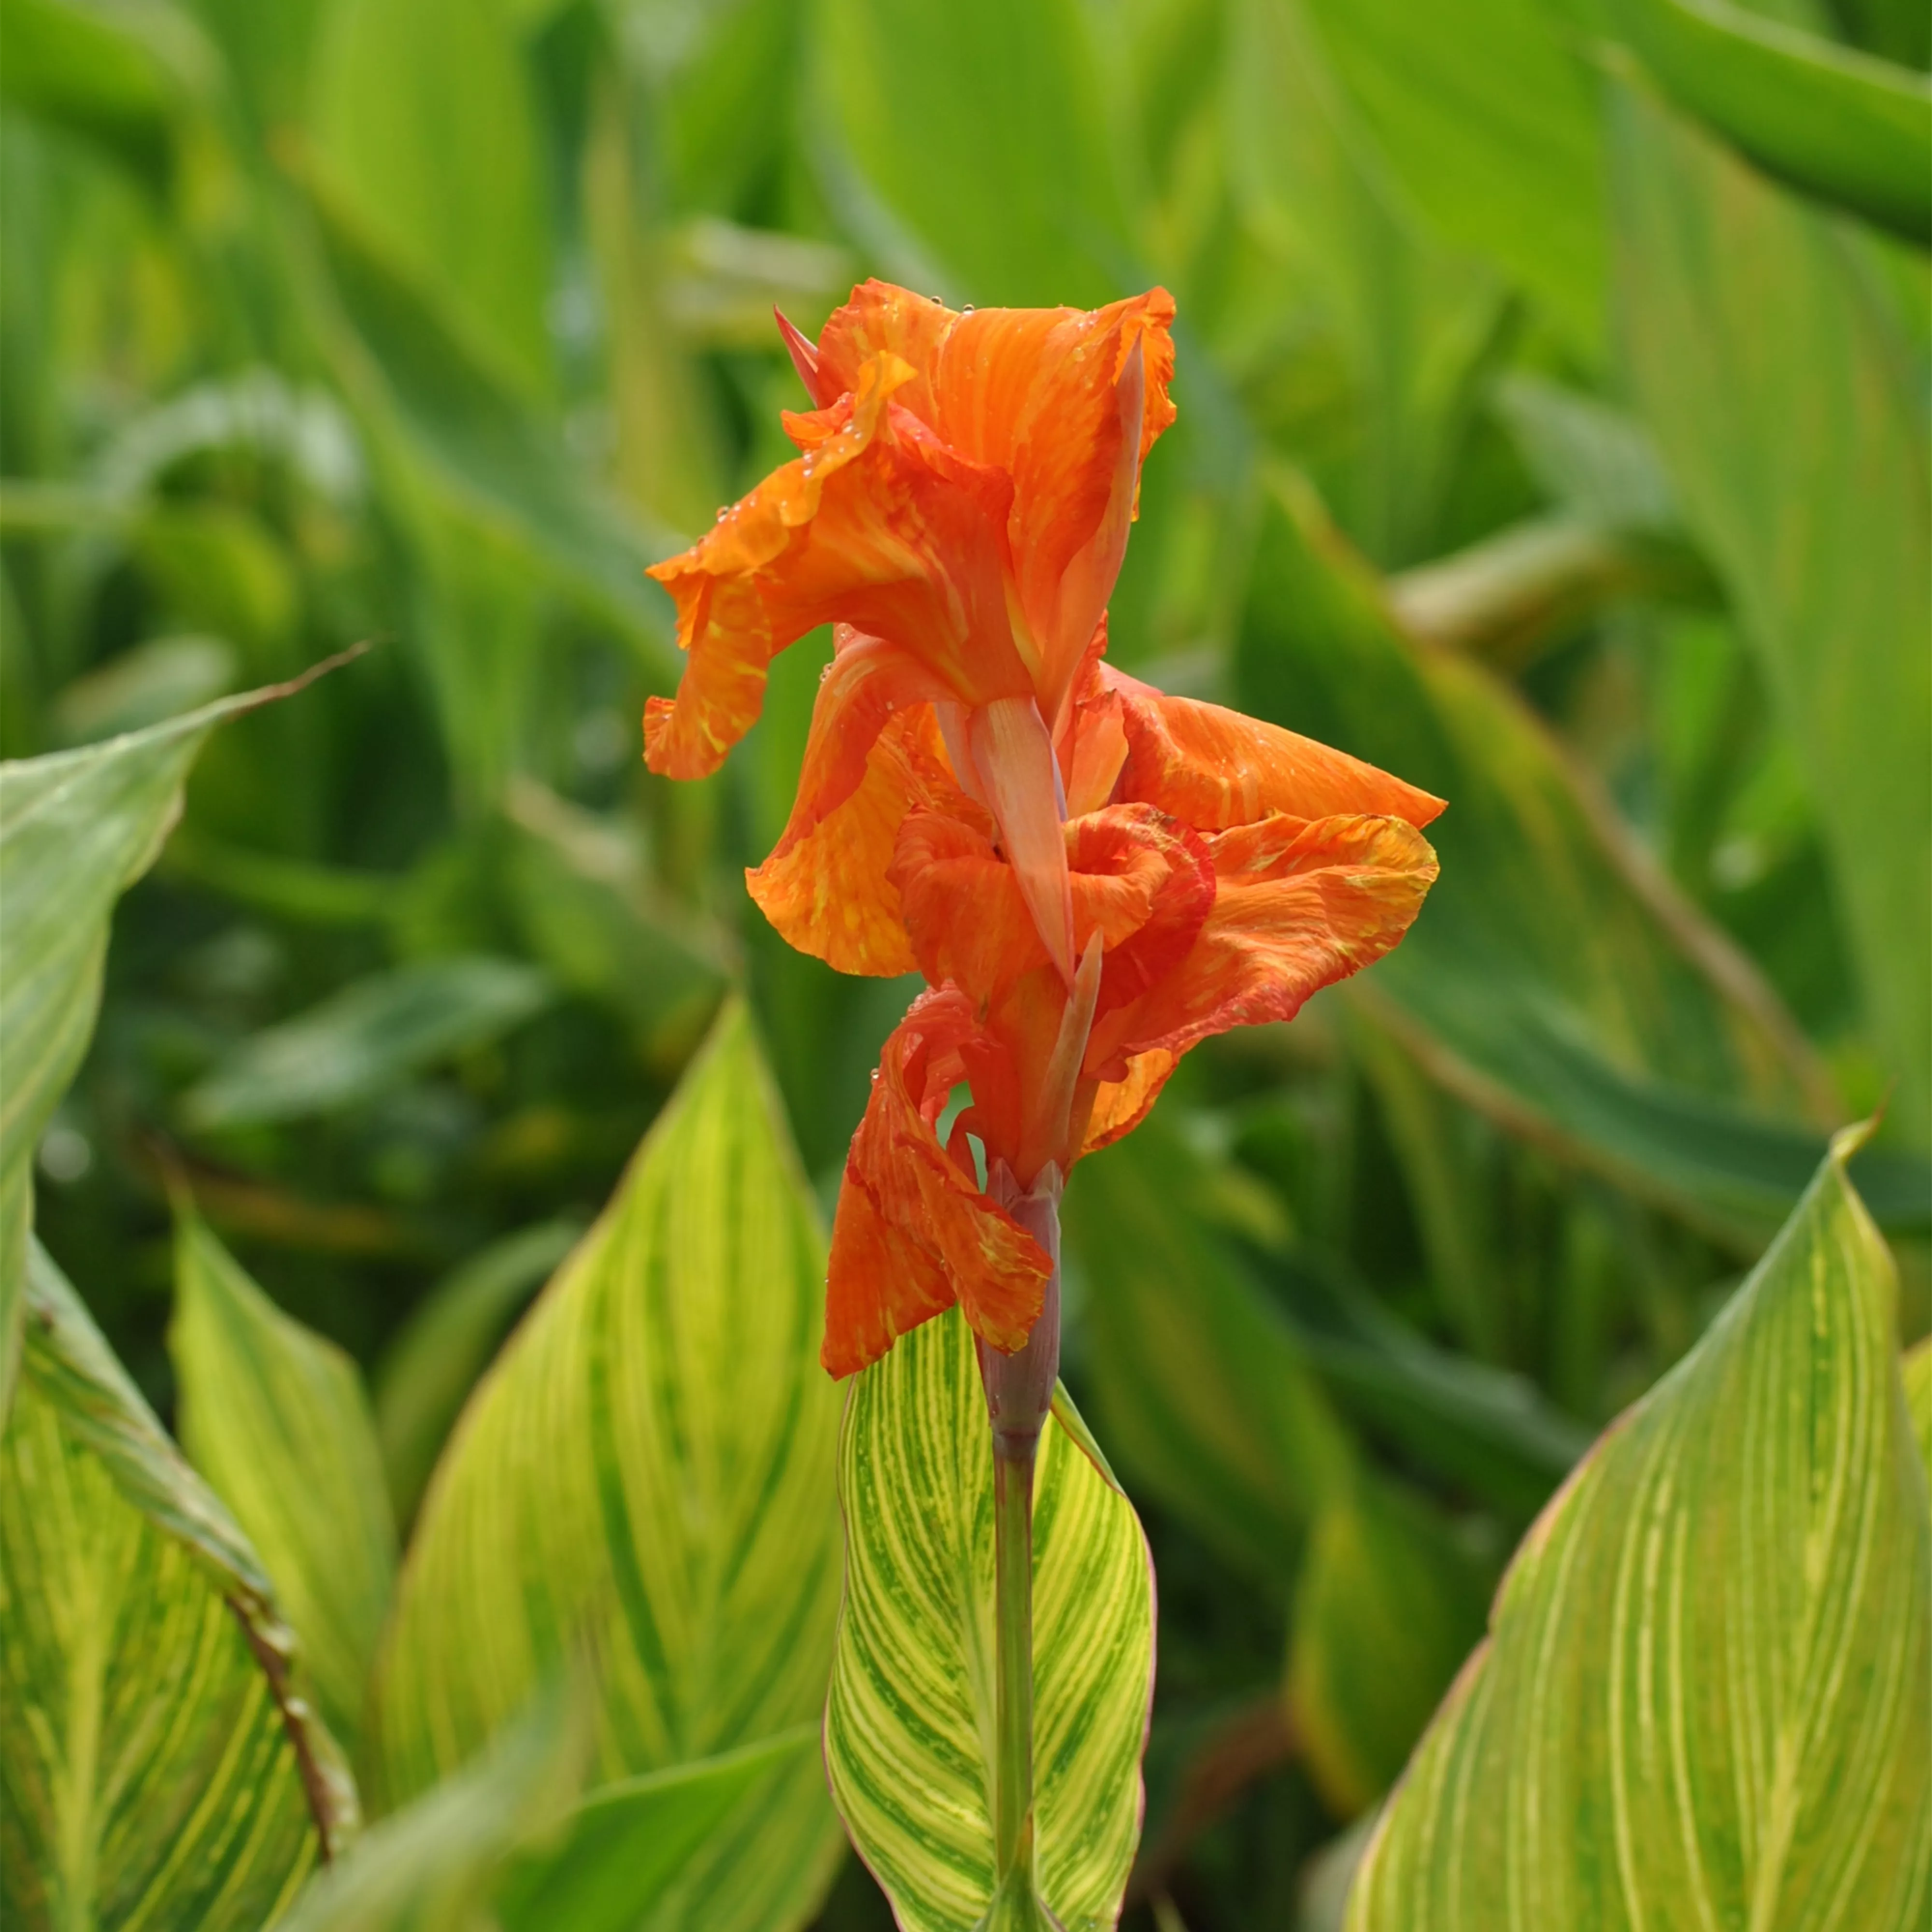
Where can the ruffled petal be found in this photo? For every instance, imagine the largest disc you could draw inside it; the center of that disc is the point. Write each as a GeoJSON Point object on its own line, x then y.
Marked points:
{"type": "Point", "coordinates": [912, 1231]}
{"type": "Point", "coordinates": [1297, 906]}
{"type": "Point", "coordinates": [878, 525]}
{"type": "Point", "coordinates": [873, 754]}
{"type": "Point", "coordinates": [1067, 402]}
{"type": "Point", "coordinates": [1145, 883]}
{"type": "Point", "coordinates": [1215, 768]}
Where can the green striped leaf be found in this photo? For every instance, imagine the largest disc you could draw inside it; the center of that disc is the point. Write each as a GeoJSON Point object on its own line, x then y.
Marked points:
{"type": "Point", "coordinates": [1917, 1367]}
{"type": "Point", "coordinates": [909, 1723]}
{"type": "Point", "coordinates": [275, 1418]}
{"type": "Point", "coordinates": [1706, 1698]}
{"type": "Point", "coordinates": [648, 1468]}
{"type": "Point", "coordinates": [158, 1767]}
{"type": "Point", "coordinates": [77, 830]}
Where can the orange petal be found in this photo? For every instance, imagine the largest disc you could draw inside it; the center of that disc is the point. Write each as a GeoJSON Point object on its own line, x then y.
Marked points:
{"type": "Point", "coordinates": [1067, 402]}
{"type": "Point", "coordinates": [1215, 768]}
{"type": "Point", "coordinates": [1148, 883]}
{"type": "Point", "coordinates": [878, 525]}
{"type": "Point", "coordinates": [872, 755]}
{"type": "Point", "coordinates": [1120, 1105]}
{"type": "Point", "coordinates": [962, 904]}
{"type": "Point", "coordinates": [922, 1232]}
{"type": "Point", "coordinates": [1296, 907]}
{"type": "Point", "coordinates": [1143, 882]}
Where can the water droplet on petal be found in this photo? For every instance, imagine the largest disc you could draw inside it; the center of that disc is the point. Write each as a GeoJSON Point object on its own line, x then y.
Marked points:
{"type": "Point", "coordinates": [965, 308]}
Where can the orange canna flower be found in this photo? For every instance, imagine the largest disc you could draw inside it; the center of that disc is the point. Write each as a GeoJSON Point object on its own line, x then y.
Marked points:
{"type": "Point", "coordinates": [1090, 876]}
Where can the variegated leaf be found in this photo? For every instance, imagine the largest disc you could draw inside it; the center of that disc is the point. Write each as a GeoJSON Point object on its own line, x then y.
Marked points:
{"type": "Point", "coordinates": [1706, 1700]}
{"type": "Point", "coordinates": [158, 1767]}
{"type": "Point", "coordinates": [647, 1469]}
{"type": "Point", "coordinates": [909, 1724]}
{"type": "Point", "coordinates": [275, 1418]}
{"type": "Point", "coordinates": [76, 829]}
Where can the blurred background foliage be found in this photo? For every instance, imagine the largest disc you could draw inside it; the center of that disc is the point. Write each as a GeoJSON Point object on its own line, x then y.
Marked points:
{"type": "Point", "coordinates": [1553, 395]}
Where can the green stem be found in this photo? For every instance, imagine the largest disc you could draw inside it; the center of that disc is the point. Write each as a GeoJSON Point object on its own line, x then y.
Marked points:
{"type": "Point", "coordinates": [1019, 1394]}
{"type": "Point", "coordinates": [1012, 1709]}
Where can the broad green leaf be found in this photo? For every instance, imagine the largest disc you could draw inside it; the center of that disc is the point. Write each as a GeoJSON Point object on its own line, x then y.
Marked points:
{"type": "Point", "coordinates": [276, 1419]}
{"type": "Point", "coordinates": [123, 77]}
{"type": "Point", "coordinates": [1792, 426]}
{"type": "Point", "coordinates": [426, 1372]}
{"type": "Point", "coordinates": [1486, 118]}
{"type": "Point", "coordinates": [77, 830]}
{"type": "Point", "coordinates": [502, 1843]}
{"type": "Point", "coordinates": [649, 1468]}
{"type": "Point", "coordinates": [1706, 1697]}
{"type": "Point", "coordinates": [1554, 979]}
{"type": "Point", "coordinates": [969, 170]}
{"type": "Point", "coordinates": [152, 682]}
{"type": "Point", "coordinates": [452, 177]}
{"type": "Point", "coordinates": [1918, 1372]}
{"type": "Point", "coordinates": [909, 1722]}
{"type": "Point", "coordinates": [1201, 1388]}
{"type": "Point", "coordinates": [159, 1766]}
{"type": "Point", "coordinates": [434, 1867]}
{"type": "Point", "coordinates": [420, 379]}
{"type": "Point", "coordinates": [368, 1037]}
{"type": "Point", "coordinates": [1853, 130]}
{"type": "Point", "coordinates": [623, 1850]}
{"type": "Point", "coordinates": [1387, 1605]}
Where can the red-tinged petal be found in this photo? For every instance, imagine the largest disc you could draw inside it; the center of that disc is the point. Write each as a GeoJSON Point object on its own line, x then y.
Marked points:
{"type": "Point", "coordinates": [878, 525]}
{"type": "Point", "coordinates": [923, 1227]}
{"type": "Point", "coordinates": [805, 359]}
{"type": "Point", "coordinates": [1120, 1105]}
{"type": "Point", "coordinates": [1216, 768]}
{"type": "Point", "coordinates": [1147, 882]}
{"type": "Point", "coordinates": [1142, 881]}
{"type": "Point", "coordinates": [1297, 906]}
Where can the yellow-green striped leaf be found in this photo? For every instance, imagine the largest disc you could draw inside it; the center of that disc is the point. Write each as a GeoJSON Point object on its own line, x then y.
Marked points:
{"type": "Point", "coordinates": [77, 830]}
{"type": "Point", "coordinates": [275, 1418]}
{"type": "Point", "coordinates": [909, 1724]}
{"type": "Point", "coordinates": [648, 1468]}
{"type": "Point", "coordinates": [1706, 1700]}
{"type": "Point", "coordinates": [1918, 1371]}
{"type": "Point", "coordinates": [158, 1766]}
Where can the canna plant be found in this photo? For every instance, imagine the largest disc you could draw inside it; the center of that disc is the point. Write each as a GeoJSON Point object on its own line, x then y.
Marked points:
{"type": "Point", "coordinates": [1090, 876]}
